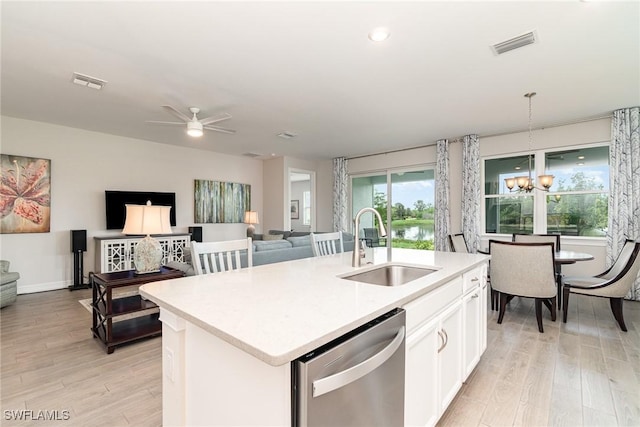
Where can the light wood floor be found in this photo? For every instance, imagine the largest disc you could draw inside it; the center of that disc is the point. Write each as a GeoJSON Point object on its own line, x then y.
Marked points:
{"type": "Point", "coordinates": [583, 373]}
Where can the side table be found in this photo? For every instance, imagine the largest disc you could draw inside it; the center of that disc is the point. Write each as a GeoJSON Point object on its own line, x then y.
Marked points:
{"type": "Point", "coordinates": [106, 309]}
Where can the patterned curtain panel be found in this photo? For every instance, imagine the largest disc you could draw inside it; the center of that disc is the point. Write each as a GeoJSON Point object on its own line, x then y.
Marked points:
{"type": "Point", "coordinates": [471, 191]}
{"type": "Point", "coordinates": [624, 196]}
{"type": "Point", "coordinates": [442, 220]}
{"type": "Point", "coordinates": [340, 195]}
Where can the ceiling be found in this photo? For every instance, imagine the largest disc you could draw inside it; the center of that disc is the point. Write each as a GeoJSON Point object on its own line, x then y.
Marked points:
{"type": "Point", "coordinates": [309, 68]}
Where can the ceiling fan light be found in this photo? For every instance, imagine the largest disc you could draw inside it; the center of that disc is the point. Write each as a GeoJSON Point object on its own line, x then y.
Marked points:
{"type": "Point", "coordinates": [194, 129]}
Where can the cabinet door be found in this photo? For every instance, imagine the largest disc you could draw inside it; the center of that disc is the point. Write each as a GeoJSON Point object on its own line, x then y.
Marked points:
{"type": "Point", "coordinates": [484, 300]}
{"type": "Point", "coordinates": [116, 255]}
{"type": "Point", "coordinates": [178, 245]}
{"type": "Point", "coordinates": [450, 356]}
{"type": "Point", "coordinates": [421, 406]}
{"type": "Point", "coordinates": [471, 331]}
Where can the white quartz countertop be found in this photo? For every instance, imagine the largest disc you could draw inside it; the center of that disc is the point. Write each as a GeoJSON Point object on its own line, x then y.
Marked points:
{"type": "Point", "coordinates": [279, 312]}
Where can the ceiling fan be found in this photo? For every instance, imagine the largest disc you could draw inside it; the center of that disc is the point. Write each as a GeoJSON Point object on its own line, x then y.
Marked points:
{"type": "Point", "coordinates": [195, 126]}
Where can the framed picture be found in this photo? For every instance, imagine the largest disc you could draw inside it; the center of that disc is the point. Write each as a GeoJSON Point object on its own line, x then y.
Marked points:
{"type": "Point", "coordinates": [221, 202]}
{"type": "Point", "coordinates": [25, 200]}
{"type": "Point", "coordinates": [295, 209]}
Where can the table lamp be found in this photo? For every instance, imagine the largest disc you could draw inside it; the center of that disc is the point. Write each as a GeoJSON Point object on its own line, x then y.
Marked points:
{"type": "Point", "coordinates": [147, 219]}
{"type": "Point", "coordinates": [251, 217]}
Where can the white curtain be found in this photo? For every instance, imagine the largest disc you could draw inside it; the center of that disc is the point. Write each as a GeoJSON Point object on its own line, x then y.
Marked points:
{"type": "Point", "coordinates": [340, 195]}
{"type": "Point", "coordinates": [471, 191]}
{"type": "Point", "coordinates": [624, 191]}
{"type": "Point", "coordinates": [442, 217]}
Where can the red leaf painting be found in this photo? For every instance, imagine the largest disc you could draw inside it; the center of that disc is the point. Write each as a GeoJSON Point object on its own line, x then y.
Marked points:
{"type": "Point", "coordinates": [25, 194]}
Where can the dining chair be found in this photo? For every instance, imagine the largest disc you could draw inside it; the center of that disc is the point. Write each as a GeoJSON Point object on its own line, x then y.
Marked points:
{"type": "Point", "coordinates": [541, 238]}
{"type": "Point", "coordinates": [525, 270]}
{"type": "Point", "coordinates": [218, 257]}
{"type": "Point", "coordinates": [457, 243]}
{"type": "Point", "coordinates": [614, 283]}
{"type": "Point", "coordinates": [326, 243]}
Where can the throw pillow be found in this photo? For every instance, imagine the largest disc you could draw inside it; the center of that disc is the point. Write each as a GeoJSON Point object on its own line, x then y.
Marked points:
{"type": "Point", "coordinates": [284, 233]}
{"type": "Point", "coordinates": [273, 236]}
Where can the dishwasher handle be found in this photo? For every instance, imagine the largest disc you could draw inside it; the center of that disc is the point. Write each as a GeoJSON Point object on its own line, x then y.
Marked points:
{"type": "Point", "coordinates": [341, 379]}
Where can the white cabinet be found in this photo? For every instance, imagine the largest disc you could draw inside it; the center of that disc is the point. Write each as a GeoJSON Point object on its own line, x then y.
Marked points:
{"type": "Point", "coordinates": [474, 317]}
{"type": "Point", "coordinates": [116, 253]}
{"type": "Point", "coordinates": [450, 355]}
{"type": "Point", "coordinates": [446, 335]}
{"type": "Point", "coordinates": [433, 354]}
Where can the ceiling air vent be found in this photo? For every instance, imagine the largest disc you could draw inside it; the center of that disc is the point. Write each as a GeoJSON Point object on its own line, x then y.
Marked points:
{"type": "Point", "coordinates": [88, 81]}
{"type": "Point", "coordinates": [251, 155]}
{"type": "Point", "coordinates": [514, 43]}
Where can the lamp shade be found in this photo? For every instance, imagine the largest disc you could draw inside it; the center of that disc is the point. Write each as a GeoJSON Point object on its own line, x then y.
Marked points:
{"type": "Point", "coordinates": [251, 217]}
{"type": "Point", "coordinates": [147, 219]}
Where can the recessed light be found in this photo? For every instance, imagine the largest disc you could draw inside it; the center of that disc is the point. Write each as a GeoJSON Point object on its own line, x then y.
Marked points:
{"type": "Point", "coordinates": [379, 34]}
{"type": "Point", "coordinates": [580, 157]}
{"type": "Point", "coordinates": [517, 168]}
{"type": "Point", "coordinates": [580, 163]}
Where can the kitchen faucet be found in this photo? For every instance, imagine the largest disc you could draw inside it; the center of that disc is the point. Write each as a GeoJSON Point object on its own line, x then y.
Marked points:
{"type": "Point", "coordinates": [359, 251]}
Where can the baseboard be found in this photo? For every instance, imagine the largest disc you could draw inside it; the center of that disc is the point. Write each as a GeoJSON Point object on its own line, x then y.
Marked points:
{"type": "Point", "coordinates": [43, 287]}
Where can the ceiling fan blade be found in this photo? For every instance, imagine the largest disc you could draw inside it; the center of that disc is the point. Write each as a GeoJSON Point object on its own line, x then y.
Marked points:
{"type": "Point", "coordinates": [219, 129]}
{"type": "Point", "coordinates": [176, 113]}
{"type": "Point", "coordinates": [217, 118]}
{"type": "Point", "coordinates": [156, 122]}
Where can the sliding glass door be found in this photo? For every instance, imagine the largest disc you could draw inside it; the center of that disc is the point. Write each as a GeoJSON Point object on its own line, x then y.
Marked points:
{"type": "Point", "coordinates": [404, 199]}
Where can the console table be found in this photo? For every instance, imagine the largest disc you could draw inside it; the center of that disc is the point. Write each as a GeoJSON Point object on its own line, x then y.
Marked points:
{"type": "Point", "coordinates": [106, 308]}
{"type": "Point", "coordinates": [115, 253]}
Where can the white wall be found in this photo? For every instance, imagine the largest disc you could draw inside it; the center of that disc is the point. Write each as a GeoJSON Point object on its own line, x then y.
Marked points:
{"type": "Point", "coordinates": [585, 133]}
{"type": "Point", "coordinates": [83, 165]}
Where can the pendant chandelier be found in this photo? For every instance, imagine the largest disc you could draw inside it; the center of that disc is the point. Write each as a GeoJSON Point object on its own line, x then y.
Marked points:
{"type": "Point", "coordinates": [525, 183]}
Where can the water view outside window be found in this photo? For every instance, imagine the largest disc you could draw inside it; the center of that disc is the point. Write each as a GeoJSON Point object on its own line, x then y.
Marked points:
{"type": "Point", "coordinates": [576, 205]}
{"type": "Point", "coordinates": [408, 203]}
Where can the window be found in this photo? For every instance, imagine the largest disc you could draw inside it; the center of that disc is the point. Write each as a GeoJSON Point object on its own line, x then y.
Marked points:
{"type": "Point", "coordinates": [576, 205]}
{"type": "Point", "coordinates": [406, 198]}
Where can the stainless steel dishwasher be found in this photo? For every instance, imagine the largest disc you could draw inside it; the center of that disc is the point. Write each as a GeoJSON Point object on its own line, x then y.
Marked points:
{"type": "Point", "coordinates": [355, 380]}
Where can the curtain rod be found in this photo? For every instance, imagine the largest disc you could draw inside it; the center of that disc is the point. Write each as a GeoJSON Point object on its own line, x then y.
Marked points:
{"type": "Point", "coordinates": [460, 138]}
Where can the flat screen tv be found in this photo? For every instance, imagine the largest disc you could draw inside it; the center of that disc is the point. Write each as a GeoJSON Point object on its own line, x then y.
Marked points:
{"type": "Point", "coordinates": [115, 201]}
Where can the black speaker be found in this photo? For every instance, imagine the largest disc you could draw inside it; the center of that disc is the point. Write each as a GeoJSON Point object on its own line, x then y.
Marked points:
{"type": "Point", "coordinates": [78, 246]}
{"type": "Point", "coordinates": [78, 240]}
{"type": "Point", "coordinates": [196, 234]}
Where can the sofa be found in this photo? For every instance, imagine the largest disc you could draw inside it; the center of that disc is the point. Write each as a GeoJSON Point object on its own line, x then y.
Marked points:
{"type": "Point", "coordinates": [8, 284]}
{"type": "Point", "coordinates": [272, 247]}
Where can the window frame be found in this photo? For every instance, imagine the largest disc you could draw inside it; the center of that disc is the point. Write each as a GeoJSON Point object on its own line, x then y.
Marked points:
{"type": "Point", "coordinates": [539, 197]}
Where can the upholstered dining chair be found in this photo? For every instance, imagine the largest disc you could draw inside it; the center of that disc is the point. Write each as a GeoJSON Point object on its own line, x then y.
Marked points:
{"type": "Point", "coordinates": [326, 243]}
{"type": "Point", "coordinates": [214, 257]}
{"type": "Point", "coordinates": [525, 270]}
{"type": "Point", "coordinates": [457, 243]}
{"type": "Point", "coordinates": [542, 238]}
{"type": "Point", "coordinates": [614, 283]}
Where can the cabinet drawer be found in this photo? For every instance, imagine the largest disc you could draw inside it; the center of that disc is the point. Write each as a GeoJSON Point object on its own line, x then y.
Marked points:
{"type": "Point", "coordinates": [473, 278]}
{"type": "Point", "coordinates": [425, 307]}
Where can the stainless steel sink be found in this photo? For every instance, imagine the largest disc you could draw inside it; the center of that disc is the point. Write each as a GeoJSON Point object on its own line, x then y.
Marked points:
{"type": "Point", "coordinates": [390, 275]}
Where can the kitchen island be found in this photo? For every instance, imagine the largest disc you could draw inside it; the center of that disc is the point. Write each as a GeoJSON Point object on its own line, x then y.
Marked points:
{"type": "Point", "coordinates": [229, 338]}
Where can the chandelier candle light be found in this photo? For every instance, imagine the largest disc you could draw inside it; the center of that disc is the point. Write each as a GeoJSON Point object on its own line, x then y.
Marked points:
{"type": "Point", "coordinates": [525, 183]}
{"type": "Point", "coordinates": [147, 219]}
{"type": "Point", "coordinates": [251, 217]}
